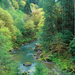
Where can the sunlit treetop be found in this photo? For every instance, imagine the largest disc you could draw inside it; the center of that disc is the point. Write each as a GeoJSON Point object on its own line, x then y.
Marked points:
{"type": "Point", "coordinates": [22, 3]}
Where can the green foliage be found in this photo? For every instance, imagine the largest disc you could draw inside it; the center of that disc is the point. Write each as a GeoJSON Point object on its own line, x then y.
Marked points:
{"type": "Point", "coordinates": [6, 65]}
{"type": "Point", "coordinates": [27, 8]}
{"type": "Point", "coordinates": [33, 6]}
{"type": "Point", "coordinates": [22, 3]}
{"type": "Point", "coordinates": [29, 27]}
{"type": "Point", "coordinates": [15, 4]}
{"type": "Point", "coordinates": [47, 29]}
{"type": "Point", "coordinates": [41, 3]}
{"type": "Point", "coordinates": [67, 14]}
{"type": "Point", "coordinates": [57, 14]}
{"type": "Point", "coordinates": [58, 38]}
{"type": "Point", "coordinates": [67, 68]}
{"type": "Point", "coordinates": [5, 4]}
{"type": "Point", "coordinates": [5, 38]}
{"type": "Point", "coordinates": [7, 18]}
{"type": "Point", "coordinates": [41, 69]}
{"type": "Point", "coordinates": [19, 23]}
{"type": "Point", "coordinates": [33, 1]}
{"type": "Point", "coordinates": [67, 36]}
{"type": "Point", "coordinates": [72, 49]}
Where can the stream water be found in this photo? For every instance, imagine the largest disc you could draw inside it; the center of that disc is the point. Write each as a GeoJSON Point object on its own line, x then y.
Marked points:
{"type": "Point", "coordinates": [26, 55]}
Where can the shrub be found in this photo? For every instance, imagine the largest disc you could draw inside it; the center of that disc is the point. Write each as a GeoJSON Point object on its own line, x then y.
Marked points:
{"type": "Point", "coordinates": [67, 36]}
{"type": "Point", "coordinates": [41, 69]}
{"type": "Point", "coordinates": [72, 49]}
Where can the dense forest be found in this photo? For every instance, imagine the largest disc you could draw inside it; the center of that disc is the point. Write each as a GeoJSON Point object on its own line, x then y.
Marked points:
{"type": "Point", "coordinates": [50, 22]}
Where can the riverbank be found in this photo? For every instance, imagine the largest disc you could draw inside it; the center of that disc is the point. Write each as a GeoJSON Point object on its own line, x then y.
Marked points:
{"type": "Point", "coordinates": [26, 55]}
{"type": "Point", "coordinates": [57, 61]}
{"type": "Point", "coordinates": [17, 46]}
{"type": "Point", "coordinates": [54, 63]}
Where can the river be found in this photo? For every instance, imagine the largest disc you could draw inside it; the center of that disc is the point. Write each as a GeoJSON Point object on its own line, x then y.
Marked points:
{"type": "Point", "coordinates": [26, 55]}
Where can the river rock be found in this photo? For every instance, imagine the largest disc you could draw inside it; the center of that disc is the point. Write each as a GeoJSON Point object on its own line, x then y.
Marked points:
{"type": "Point", "coordinates": [35, 54]}
{"type": "Point", "coordinates": [28, 72]}
{"type": "Point", "coordinates": [26, 43]}
{"type": "Point", "coordinates": [12, 51]}
{"type": "Point", "coordinates": [27, 64]}
{"type": "Point", "coordinates": [37, 47]}
{"type": "Point", "coordinates": [22, 44]}
{"type": "Point", "coordinates": [18, 49]}
{"type": "Point", "coordinates": [35, 57]}
{"type": "Point", "coordinates": [24, 73]}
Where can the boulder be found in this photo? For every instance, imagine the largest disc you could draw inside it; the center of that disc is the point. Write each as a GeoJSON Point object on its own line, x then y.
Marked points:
{"type": "Point", "coordinates": [22, 44]}
{"type": "Point", "coordinates": [24, 73]}
{"type": "Point", "coordinates": [27, 64]}
{"type": "Point", "coordinates": [17, 49]}
{"type": "Point", "coordinates": [37, 47]}
{"type": "Point", "coordinates": [12, 51]}
{"type": "Point", "coordinates": [36, 57]}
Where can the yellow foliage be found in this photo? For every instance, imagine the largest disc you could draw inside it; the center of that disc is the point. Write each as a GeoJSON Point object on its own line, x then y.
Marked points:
{"type": "Point", "coordinates": [72, 68]}
{"type": "Point", "coordinates": [7, 21]}
{"type": "Point", "coordinates": [58, 10]}
{"type": "Point", "coordinates": [29, 25]}
{"type": "Point", "coordinates": [38, 18]}
{"type": "Point", "coordinates": [33, 6]}
{"type": "Point", "coordinates": [3, 72]}
{"type": "Point", "coordinates": [40, 59]}
{"type": "Point", "coordinates": [2, 23]}
{"type": "Point", "coordinates": [14, 37]}
{"type": "Point", "coordinates": [6, 32]}
{"type": "Point", "coordinates": [24, 0]}
{"type": "Point", "coordinates": [15, 4]}
{"type": "Point", "coordinates": [22, 3]}
{"type": "Point", "coordinates": [5, 38]}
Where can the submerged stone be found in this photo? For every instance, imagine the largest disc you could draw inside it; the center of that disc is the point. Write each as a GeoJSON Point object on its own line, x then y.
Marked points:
{"type": "Point", "coordinates": [27, 64]}
{"type": "Point", "coordinates": [24, 73]}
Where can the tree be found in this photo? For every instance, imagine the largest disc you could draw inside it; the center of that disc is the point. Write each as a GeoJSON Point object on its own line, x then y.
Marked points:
{"type": "Point", "coordinates": [72, 49]}
{"type": "Point", "coordinates": [41, 3]}
{"type": "Point", "coordinates": [68, 14]}
{"type": "Point", "coordinates": [27, 8]}
{"type": "Point", "coordinates": [47, 29]}
{"type": "Point", "coordinates": [33, 1]}
{"type": "Point", "coordinates": [57, 14]}
{"type": "Point", "coordinates": [67, 36]}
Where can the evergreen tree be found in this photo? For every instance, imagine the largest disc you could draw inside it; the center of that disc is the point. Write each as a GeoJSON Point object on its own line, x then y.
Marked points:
{"type": "Point", "coordinates": [33, 1]}
{"type": "Point", "coordinates": [72, 49]}
{"type": "Point", "coordinates": [27, 8]}
{"type": "Point", "coordinates": [47, 29]}
{"type": "Point", "coordinates": [0, 0]}
{"type": "Point", "coordinates": [68, 14]}
{"type": "Point", "coordinates": [41, 3]}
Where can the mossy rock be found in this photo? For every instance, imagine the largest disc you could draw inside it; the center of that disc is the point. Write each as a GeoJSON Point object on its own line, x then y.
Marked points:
{"type": "Point", "coordinates": [40, 59]}
{"type": "Point", "coordinates": [27, 64]}
{"type": "Point", "coordinates": [35, 49]}
{"type": "Point", "coordinates": [24, 73]}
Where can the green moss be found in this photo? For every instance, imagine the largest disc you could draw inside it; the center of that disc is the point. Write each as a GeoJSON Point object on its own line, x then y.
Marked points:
{"type": "Point", "coordinates": [28, 62]}
{"type": "Point", "coordinates": [24, 73]}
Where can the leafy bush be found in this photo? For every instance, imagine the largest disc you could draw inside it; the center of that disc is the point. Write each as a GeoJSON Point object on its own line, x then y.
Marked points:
{"type": "Point", "coordinates": [22, 3]}
{"type": "Point", "coordinates": [67, 36]}
{"type": "Point", "coordinates": [27, 8]}
{"type": "Point", "coordinates": [41, 69]}
{"type": "Point", "coordinates": [72, 49]}
{"type": "Point", "coordinates": [29, 28]}
{"type": "Point", "coordinates": [57, 45]}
